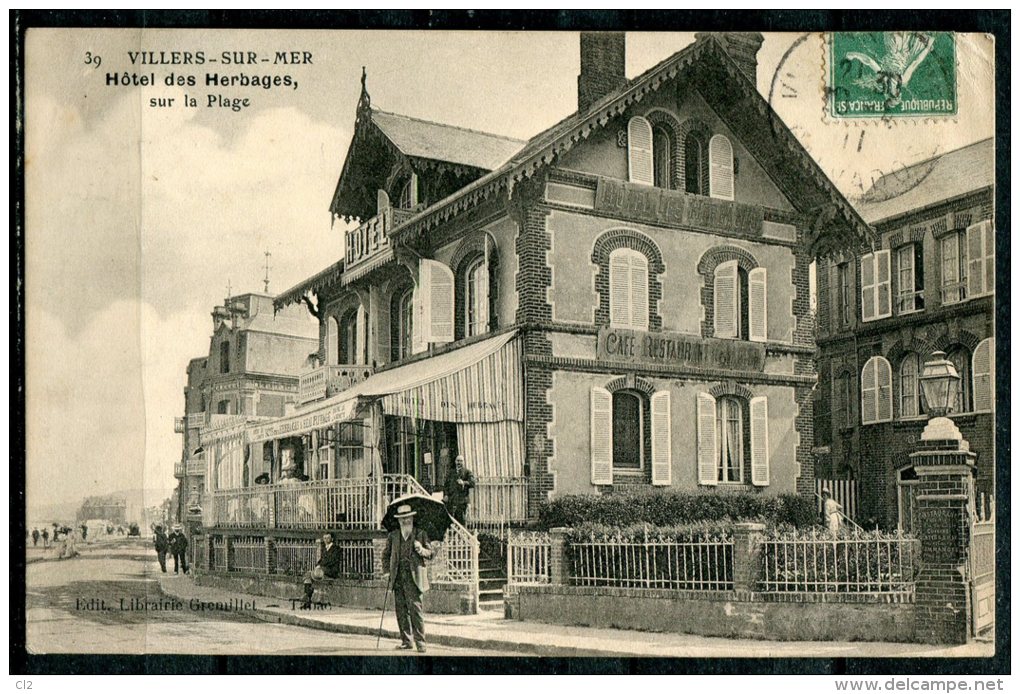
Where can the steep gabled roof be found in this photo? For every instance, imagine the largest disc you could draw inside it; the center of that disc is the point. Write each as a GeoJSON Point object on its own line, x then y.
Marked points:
{"type": "Point", "coordinates": [424, 139]}
{"type": "Point", "coordinates": [706, 66]}
{"type": "Point", "coordinates": [929, 182]}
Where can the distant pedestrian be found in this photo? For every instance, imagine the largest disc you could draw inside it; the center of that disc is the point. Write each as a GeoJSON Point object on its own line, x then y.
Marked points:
{"type": "Point", "coordinates": [35, 537]}
{"type": "Point", "coordinates": [45, 537]}
{"type": "Point", "coordinates": [179, 547]}
{"type": "Point", "coordinates": [459, 481]}
{"type": "Point", "coordinates": [84, 532]}
{"type": "Point", "coordinates": [832, 511]}
{"type": "Point", "coordinates": [162, 544]}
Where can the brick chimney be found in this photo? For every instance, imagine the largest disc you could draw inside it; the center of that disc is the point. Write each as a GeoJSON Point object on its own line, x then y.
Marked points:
{"type": "Point", "coordinates": [603, 66]}
{"type": "Point", "coordinates": [743, 47]}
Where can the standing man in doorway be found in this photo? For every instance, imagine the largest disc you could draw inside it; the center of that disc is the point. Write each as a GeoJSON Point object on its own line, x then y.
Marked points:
{"type": "Point", "coordinates": [459, 480]}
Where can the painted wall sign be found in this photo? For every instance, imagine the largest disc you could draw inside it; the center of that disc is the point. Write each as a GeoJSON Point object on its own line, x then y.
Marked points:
{"type": "Point", "coordinates": [662, 206]}
{"type": "Point", "coordinates": [307, 422]}
{"type": "Point", "coordinates": [678, 349]}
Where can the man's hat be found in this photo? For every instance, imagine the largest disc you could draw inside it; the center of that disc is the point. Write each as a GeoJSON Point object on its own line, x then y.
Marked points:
{"type": "Point", "coordinates": [825, 490]}
{"type": "Point", "coordinates": [404, 511]}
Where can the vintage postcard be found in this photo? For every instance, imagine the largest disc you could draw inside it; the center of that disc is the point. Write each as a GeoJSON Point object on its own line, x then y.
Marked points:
{"type": "Point", "coordinates": [491, 343]}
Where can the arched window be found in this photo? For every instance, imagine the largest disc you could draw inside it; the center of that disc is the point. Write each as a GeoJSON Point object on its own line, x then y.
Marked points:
{"type": "Point", "coordinates": [401, 322]}
{"type": "Point", "coordinates": [332, 337]}
{"type": "Point", "coordinates": [476, 297]}
{"type": "Point", "coordinates": [628, 430]}
{"type": "Point", "coordinates": [407, 192]}
{"type": "Point", "coordinates": [720, 167]}
{"type": "Point", "coordinates": [909, 394]}
{"type": "Point", "coordinates": [640, 163]}
{"type": "Point", "coordinates": [876, 391]}
{"type": "Point", "coordinates": [224, 357]}
{"type": "Point", "coordinates": [628, 289]}
{"type": "Point", "coordinates": [347, 349]}
{"type": "Point", "coordinates": [695, 164]}
{"type": "Point", "coordinates": [663, 156]}
{"type": "Point", "coordinates": [740, 302]}
{"type": "Point", "coordinates": [729, 431]}
{"type": "Point", "coordinates": [961, 360]}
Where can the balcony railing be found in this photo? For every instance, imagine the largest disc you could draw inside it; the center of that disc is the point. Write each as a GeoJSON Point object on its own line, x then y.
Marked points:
{"type": "Point", "coordinates": [327, 381]}
{"type": "Point", "coordinates": [954, 293]}
{"type": "Point", "coordinates": [349, 504]}
{"type": "Point", "coordinates": [497, 502]}
{"type": "Point", "coordinates": [179, 470]}
{"type": "Point", "coordinates": [196, 420]}
{"type": "Point", "coordinates": [179, 425]}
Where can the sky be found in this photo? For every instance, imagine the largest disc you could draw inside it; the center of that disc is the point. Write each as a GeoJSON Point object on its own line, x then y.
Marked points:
{"type": "Point", "coordinates": [138, 217]}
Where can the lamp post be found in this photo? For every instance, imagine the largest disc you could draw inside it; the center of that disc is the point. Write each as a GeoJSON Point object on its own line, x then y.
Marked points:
{"type": "Point", "coordinates": [940, 386]}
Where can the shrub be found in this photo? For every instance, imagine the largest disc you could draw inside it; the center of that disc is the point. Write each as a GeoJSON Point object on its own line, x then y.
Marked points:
{"type": "Point", "coordinates": [665, 508]}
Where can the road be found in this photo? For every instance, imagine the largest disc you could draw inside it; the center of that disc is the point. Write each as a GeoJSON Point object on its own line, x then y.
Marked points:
{"type": "Point", "coordinates": [76, 606]}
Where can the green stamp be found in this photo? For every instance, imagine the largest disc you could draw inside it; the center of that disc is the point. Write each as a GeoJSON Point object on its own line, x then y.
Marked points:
{"type": "Point", "coordinates": [883, 74]}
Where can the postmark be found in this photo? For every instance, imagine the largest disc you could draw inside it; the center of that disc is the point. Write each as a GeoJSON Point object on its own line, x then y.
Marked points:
{"type": "Point", "coordinates": [891, 74]}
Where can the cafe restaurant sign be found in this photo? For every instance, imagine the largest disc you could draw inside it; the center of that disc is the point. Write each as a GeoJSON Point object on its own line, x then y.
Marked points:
{"type": "Point", "coordinates": [679, 350]}
{"type": "Point", "coordinates": [673, 207]}
{"type": "Point", "coordinates": [301, 423]}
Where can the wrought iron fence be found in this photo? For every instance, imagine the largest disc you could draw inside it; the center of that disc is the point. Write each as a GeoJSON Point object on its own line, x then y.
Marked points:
{"type": "Point", "coordinates": [347, 503]}
{"type": "Point", "coordinates": [496, 503]}
{"type": "Point", "coordinates": [241, 508]}
{"type": "Point", "coordinates": [219, 553]}
{"type": "Point", "coordinates": [695, 561]}
{"type": "Point", "coordinates": [527, 559]}
{"type": "Point", "coordinates": [249, 554]}
{"type": "Point", "coordinates": [852, 562]}
{"type": "Point", "coordinates": [296, 556]}
{"type": "Point", "coordinates": [456, 558]}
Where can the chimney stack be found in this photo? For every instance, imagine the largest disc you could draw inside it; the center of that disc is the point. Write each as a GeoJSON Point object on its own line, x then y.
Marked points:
{"type": "Point", "coordinates": [603, 66]}
{"type": "Point", "coordinates": [743, 47]}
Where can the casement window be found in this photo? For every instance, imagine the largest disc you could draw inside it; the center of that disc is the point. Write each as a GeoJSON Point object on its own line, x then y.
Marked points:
{"type": "Point", "coordinates": [619, 436]}
{"type": "Point", "coordinates": [409, 192]}
{"type": "Point", "coordinates": [476, 297]}
{"type": "Point", "coordinates": [909, 393]}
{"type": "Point", "coordinates": [909, 278]}
{"type": "Point", "coordinates": [980, 259]}
{"type": "Point", "coordinates": [347, 348]}
{"type": "Point", "coordinates": [875, 290]}
{"type": "Point", "coordinates": [695, 164]}
{"type": "Point", "coordinates": [628, 289]}
{"type": "Point", "coordinates": [350, 451]}
{"type": "Point", "coordinates": [876, 391]}
{"type": "Point", "coordinates": [434, 305]}
{"type": "Point", "coordinates": [843, 293]}
{"type": "Point", "coordinates": [324, 454]}
{"type": "Point", "coordinates": [723, 448]}
{"type": "Point", "coordinates": [984, 375]}
{"type": "Point", "coordinates": [332, 340]}
{"type": "Point", "coordinates": [954, 268]}
{"type": "Point", "coordinates": [720, 168]}
{"type": "Point", "coordinates": [640, 162]}
{"type": "Point", "coordinates": [962, 360]}
{"type": "Point", "coordinates": [740, 308]}
{"type": "Point", "coordinates": [401, 318]}
{"type": "Point", "coordinates": [663, 157]}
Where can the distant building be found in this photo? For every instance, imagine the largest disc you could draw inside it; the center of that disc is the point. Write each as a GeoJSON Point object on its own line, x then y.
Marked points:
{"type": "Point", "coordinates": [112, 508]}
{"type": "Point", "coordinates": [927, 285]}
{"type": "Point", "coordinates": [251, 371]}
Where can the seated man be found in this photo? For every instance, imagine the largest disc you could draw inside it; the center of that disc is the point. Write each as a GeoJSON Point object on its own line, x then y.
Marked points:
{"type": "Point", "coordinates": [328, 566]}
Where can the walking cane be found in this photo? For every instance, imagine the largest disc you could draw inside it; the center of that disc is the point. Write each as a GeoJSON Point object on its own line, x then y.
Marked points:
{"type": "Point", "coordinates": [386, 597]}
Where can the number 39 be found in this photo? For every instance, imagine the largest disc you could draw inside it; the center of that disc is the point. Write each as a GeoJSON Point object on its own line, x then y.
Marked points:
{"type": "Point", "coordinates": [93, 60]}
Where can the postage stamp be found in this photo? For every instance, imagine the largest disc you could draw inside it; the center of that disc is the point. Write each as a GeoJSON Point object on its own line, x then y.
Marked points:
{"type": "Point", "coordinates": [892, 74]}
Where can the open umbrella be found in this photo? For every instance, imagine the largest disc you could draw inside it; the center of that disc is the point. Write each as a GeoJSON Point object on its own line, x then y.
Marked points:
{"type": "Point", "coordinates": [430, 515]}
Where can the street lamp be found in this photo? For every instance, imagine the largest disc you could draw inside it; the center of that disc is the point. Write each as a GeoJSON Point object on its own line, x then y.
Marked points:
{"type": "Point", "coordinates": [940, 385]}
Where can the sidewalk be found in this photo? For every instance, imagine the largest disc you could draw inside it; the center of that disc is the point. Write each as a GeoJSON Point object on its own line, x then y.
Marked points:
{"type": "Point", "coordinates": [491, 630]}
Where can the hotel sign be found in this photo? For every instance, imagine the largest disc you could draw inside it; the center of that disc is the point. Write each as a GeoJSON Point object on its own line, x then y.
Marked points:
{"type": "Point", "coordinates": [675, 208]}
{"type": "Point", "coordinates": [301, 423]}
{"type": "Point", "coordinates": [679, 350]}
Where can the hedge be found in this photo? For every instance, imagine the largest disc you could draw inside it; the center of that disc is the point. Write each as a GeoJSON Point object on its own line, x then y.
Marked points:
{"type": "Point", "coordinates": [671, 508]}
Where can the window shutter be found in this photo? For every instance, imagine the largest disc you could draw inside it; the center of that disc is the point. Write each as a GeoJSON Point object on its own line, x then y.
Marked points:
{"type": "Point", "coordinates": [883, 288]}
{"type": "Point", "coordinates": [707, 464]}
{"type": "Point", "coordinates": [726, 300]}
{"type": "Point", "coordinates": [760, 441]}
{"type": "Point", "coordinates": [984, 374]}
{"type": "Point", "coordinates": [420, 310]}
{"type": "Point", "coordinates": [869, 394]}
{"type": "Point", "coordinates": [619, 289]}
{"type": "Point", "coordinates": [639, 151]}
{"type": "Point", "coordinates": [989, 234]}
{"type": "Point", "coordinates": [638, 291]}
{"type": "Point", "coordinates": [483, 297]}
{"type": "Point", "coordinates": [662, 445]}
{"type": "Point", "coordinates": [757, 294]}
{"type": "Point", "coordinates": [720, 168]}
{"type": "Point", "coordinates": [883, 376]}
{"type": "Point", "coordinates": [361, 337]}
{"type": "Point", "coordinates": [601, 436]}
{"type": "Point", "coordinates": [868, 287]}
{"type": "Point", "coordinates": [437, 301]}
{"type": "Point", "coordinates": [980, 259]}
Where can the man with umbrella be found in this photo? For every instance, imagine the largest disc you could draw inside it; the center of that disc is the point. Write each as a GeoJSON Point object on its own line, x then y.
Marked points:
{"type": "Point", "coordinates": [407, 548]}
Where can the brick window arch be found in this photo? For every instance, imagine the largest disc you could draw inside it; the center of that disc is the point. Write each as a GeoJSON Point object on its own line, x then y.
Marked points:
{"type": "Point", "coordinates": [667, 150]}
{"type": "Point", "coordinates": [707, 266]}
{"type": "Point", "coordinates": [464, 263]}
{"type": "Point", "coordinates": [627, 238]}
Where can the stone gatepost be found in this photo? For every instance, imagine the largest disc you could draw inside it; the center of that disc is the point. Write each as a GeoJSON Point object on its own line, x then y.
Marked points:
{"type": "Point", "coordinates": [559, 558]}
{"type": "Point", "coordinates": [945, 500]}
{"type": "Point", "coordinates": [270, 554]}
{"type": "Point", "coordinates": [747, 557]}
{"type": "Point", "coordinates": [378, 549]}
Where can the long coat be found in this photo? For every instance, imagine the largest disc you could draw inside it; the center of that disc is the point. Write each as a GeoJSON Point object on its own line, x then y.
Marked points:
{"type": "Point", "coordinates": [391, 557]}
{"type": "Point", "coordinates": [331, 562]}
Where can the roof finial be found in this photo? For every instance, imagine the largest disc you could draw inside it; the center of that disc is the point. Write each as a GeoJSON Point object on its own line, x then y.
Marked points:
{"type": "Point", "coordinates": [266, 280]}
{"type": "Point", "coordinates": [364, 101]}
